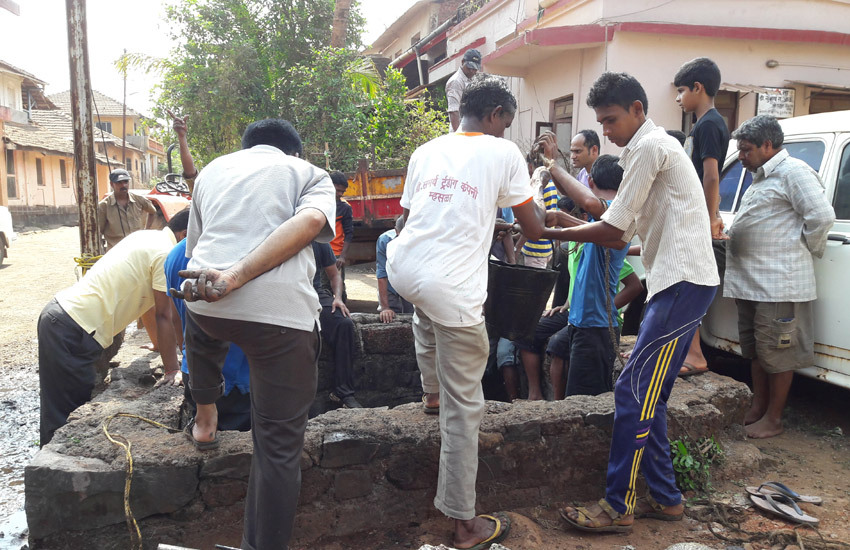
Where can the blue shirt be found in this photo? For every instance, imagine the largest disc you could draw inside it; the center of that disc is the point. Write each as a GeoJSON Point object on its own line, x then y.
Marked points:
{"type": "Point", "coordinates": [381, 257]}
{"type": "Point", "coordinates": [235, 370]}
{"type": "Point", "coordinates": [587, 305]}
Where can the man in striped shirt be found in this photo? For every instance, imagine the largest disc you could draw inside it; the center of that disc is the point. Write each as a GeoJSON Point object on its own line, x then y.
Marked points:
{"type": "Point", "coordinates": [661, 201]}
{"type": "Point", "coordinates": [536, 252]}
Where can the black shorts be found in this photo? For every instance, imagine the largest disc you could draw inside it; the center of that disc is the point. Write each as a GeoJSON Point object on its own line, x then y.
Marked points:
{"type": "Point", "coordinates": [590, 358]}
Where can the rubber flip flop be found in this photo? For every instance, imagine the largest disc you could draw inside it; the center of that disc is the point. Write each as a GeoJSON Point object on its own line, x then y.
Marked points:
{"type": "Point", "coordinates": [503, 527]}
{"type": "Point", "coordinates": [199, 445]}
{"type": "Point", "coordinates": [783, 507]}
{"type": "Point", "coordinates": [690, 370]}
{"type": "Point", "coordinates": [774, 487]}
{"type": "Point", "coordinates": [427, 409]}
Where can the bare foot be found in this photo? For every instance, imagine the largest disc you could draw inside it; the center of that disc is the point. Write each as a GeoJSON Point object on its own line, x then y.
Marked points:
{"type": "Point", "coordinates": [601, 516]}
{"type": "Point", "coordinates": [536, 395]}
{"type": "Point", "coordinates": [754, 414]}
{"type": "Point", "coordinates": [432, 400]}
{"type": "Point", "coordinates": [764, 428]}
{"type": "Point", "coordinates": [469, 533]}
{"type": "Point", "coordinates": [150, 347]}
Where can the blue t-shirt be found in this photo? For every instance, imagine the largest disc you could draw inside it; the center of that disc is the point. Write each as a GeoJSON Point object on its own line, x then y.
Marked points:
{"type": "Point", "coordinates": [587, 305]}
{"type": "Point", "coordinates": [235, 370]}
{"type": "Point", "coordinates": [381, 257]}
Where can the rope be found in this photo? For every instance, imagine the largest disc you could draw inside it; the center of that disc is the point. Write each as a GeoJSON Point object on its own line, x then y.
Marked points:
{"type": "Point", "coordinates": [124, 443]}
{"type": "Point", "coordinates": [85, 262]}
{"type": "Point", "coordinates": [608, 305]}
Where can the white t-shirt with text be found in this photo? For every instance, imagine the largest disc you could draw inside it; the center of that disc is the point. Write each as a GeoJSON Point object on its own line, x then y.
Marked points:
{"type": "Point", "coordinates": [454, 185]}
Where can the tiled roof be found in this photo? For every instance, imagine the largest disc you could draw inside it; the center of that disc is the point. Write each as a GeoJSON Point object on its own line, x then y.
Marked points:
{"type": "Point", "coordinates": [106, 106]}
{"type": "Point", "coordinates": [61, 123]}
{"type": "Point", "coordinates": [20, 72]}
{"type": "Point", "coordinates": [52, 131]}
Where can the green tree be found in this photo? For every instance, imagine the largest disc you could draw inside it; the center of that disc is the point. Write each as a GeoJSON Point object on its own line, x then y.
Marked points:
{"type": "Point", "coordinates": [232, 55]}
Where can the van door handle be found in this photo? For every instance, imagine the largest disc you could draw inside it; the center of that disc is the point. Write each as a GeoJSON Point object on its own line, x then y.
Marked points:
{"type": "Point", "coordinates": [838, 237]}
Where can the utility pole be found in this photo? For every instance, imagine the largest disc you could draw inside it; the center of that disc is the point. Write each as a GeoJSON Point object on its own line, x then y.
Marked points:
{"type": "Point", "coordinates": [85, 169]}
{"type": "Point", "coordinates": [124, 119]}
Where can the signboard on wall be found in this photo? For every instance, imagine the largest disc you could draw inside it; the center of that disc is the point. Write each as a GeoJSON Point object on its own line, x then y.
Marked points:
{"type": "Point", "coordinates": [778, 103]}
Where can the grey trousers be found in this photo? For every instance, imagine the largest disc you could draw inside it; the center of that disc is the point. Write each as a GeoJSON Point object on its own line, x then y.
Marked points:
{"type": "Point", "coordinates": [283, 376]}
{"type": "Point", "coordinates": [66, 367]}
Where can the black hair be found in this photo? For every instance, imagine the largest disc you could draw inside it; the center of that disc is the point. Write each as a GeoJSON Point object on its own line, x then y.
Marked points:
{"type": "Point", "coordinates": [483, 94]}
{"type": "Point", "coordinates": [591, 139]}
{"type": "Point", "coordinates": [607, 174]}
{"type": "Point", "coordinates": [759, 129]}
{"type": "Point", "coordinates": [179, 221]}
{"type": "Point", "coordinates": [702, 70]}
{"type": "Point", "coordinates": [339, 179]}
{"type": "Point", "coordinates": [275, 132]}
{"type": "Point", "coordinates": [617, 89]}
{"type": "Point", "coordinates": [566, 204]}
{"type": "Point", "coordinates": [678, 134]}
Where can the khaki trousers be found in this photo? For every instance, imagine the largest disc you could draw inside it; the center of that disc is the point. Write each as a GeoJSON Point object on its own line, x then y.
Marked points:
{"type": "Point", "coordinates": [452, 362]}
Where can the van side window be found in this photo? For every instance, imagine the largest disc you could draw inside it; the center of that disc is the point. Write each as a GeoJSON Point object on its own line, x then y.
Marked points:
{"type": "Point", "coordinates": [841, 203]}
{"type": "Point", "coordinates": [810, 152]}
{"type": "Point", "coordinates": [729, 185]}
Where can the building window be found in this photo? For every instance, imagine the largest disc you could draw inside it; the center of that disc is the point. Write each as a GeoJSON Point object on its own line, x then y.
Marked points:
{"type": "Point", "coordinates": [137, 165]}
{"type": "Point", "coordinates": [822, 102]}
{"type": "Point", "coordinates": [562, 121]}
{"type": "Point", "coordinates": [39, 171]}
{"type": "Point", "coordinates": [11, 181]}
{"type": "Point", "coordinates": [726, 103]}
{"type": "Point", "coordinates": [63, 172]}
{"type": "Point", "coordinates": [414, 39]}
{"type": "Point", "coordinates": [105, 126]}
{"type": "Point", "coordinates": [129, 165]}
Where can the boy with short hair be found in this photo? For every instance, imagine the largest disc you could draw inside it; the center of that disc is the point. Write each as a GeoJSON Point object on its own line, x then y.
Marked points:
{"type": "Point", "coordinates": [697, 82]}
{"type": "Point", "coordinates": [661, 201]}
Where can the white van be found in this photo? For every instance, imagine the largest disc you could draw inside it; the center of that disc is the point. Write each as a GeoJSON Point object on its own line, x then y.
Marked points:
{"type": "Point", "coordinates": [823, 142]}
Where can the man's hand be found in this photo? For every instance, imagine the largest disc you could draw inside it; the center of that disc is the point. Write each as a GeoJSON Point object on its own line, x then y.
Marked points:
{"type": "Point", "coordinates": [717, 229]}
{"type": "Point", "coordinates": [338, 304]}
{"type": "Point", "coordinates": [555, 310]}
{"type": "Point", "coordinates": [387, 315]}
{"type": "Point", "coordinates": [549, 144]}
{"type": "Point", "coordinates": [179, 124]}
{"type": "Point", "coordinates": [340, 262]}
{"type": "Point", "coordinates": [173, 378]}
{"type": "Point", "coordinates": [209, 285]}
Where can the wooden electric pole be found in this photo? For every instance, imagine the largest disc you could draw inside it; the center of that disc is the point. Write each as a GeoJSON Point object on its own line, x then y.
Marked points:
{"type": "Point", "coordinates": [85, 169]}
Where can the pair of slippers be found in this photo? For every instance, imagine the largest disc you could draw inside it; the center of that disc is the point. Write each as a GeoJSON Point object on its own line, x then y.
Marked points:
{"type": "Point", "coordinates": [777, 498]}
{"type": "Point", "coordinates": [199, 445]}
{"type": "Point", "coordinates": [503, 527]}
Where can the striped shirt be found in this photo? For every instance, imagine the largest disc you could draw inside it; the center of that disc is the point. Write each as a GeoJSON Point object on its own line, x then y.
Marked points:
{"type": "Point", "coordinates": [547, 198]}
{"type": "Point", "coordinates": [661, 199]}
{"type": "Point", "coordinates": [784, 221]}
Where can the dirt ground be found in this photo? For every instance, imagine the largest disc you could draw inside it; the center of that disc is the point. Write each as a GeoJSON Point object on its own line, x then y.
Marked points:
{"type": "Point", "coordinates": [812, 456]}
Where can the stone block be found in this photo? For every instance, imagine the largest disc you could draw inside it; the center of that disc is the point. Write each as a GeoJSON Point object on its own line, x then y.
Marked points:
{"type": "Point", "coordinates": [341, 449]}
{"type": "Point", "coordinates": [223, 492]}
{"type": "Point", "coordinates": [413, 467]}
{"type": "Point", "coordinates": [387, 338]}
{"type": "Point", "coordinates": [75, 493]}
{"type": "Point", "coordinates": [352, 484]}
{"type": "Point", "coordinates": [236, 465]}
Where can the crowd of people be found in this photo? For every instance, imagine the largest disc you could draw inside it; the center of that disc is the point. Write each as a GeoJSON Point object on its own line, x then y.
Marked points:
{"type": "Point", "coordinates": [251, 277]}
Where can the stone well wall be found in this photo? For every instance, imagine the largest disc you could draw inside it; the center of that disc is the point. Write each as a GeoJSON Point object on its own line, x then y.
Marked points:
{"type": "Point", "coordinates": [361, 469]}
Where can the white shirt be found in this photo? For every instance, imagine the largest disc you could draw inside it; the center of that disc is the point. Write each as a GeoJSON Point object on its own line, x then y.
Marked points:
{"type": "Point", "coordinates": [454, 184]}
{"type": "Point", "coordinates": [661, 199]}
{"type": "Point", "coordinates": [454, 89]}
{"type": "Point", "coordinates": [239, 200]}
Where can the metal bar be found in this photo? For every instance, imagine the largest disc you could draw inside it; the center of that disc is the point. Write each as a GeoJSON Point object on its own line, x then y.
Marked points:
{"type": "Point", "coordinates": [85, 169]}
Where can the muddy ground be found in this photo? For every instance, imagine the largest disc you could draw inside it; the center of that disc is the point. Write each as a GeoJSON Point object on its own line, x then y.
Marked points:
{"type": "Point", "coordinates": [813, 456]}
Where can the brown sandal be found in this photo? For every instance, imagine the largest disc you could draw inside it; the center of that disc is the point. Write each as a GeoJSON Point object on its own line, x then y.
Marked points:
{"type": "Point", "coordinates": [588, 523]}
{"type": "Point", "coordinates": [656, 511]}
